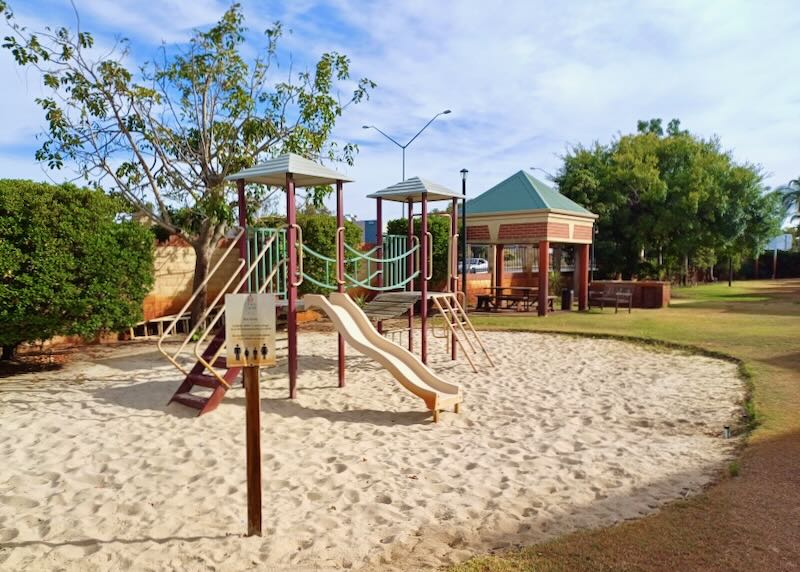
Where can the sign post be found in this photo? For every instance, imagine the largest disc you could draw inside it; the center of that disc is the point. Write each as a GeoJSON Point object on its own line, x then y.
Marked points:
{"type": "Point", "coordinates": [250, 343]}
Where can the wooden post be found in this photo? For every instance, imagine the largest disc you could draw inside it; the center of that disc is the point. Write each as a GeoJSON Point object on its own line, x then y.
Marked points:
{"type": "Point", "coordinates": [340, 267]}
{"type": "Point", "coordinates": [410, 269]}
{"type": "Point", "coordinates": [454, 273]}
{"type": "Point", "coordinates": [291, 290]}
{"type": "Point", "coordinates": [379, 244]}
{"type": "Point", "coordinates": [253, 437]}
{"type": "Point", "coordinates": [755, 270]}
{"type": "Point", "coordinates": [582, 276]}
{"type": "Point", "coordinates": [423, 309]}
{"type": "Point", "coordinates": [544, 278]}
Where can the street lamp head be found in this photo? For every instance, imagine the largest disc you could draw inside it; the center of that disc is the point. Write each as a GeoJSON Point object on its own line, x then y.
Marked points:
{"type": "Point", "coordinates": [464, 174]}
{"type": "Point", "coordinates": [446, 111]}
{"type": "Point", "coordinates": [366, 126]}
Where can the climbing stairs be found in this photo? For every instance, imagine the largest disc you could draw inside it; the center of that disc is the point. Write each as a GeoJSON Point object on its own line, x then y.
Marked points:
{"type": "Point", "coordinates": [457, 327]}
{"type": "Point", "coordinates": [207, 402]}
{"type": "Point", "coordinates": [264, 270]}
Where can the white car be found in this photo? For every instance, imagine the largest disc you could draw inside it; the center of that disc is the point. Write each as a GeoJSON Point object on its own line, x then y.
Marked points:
{"type": "Point", "coordinates": [475, 265]}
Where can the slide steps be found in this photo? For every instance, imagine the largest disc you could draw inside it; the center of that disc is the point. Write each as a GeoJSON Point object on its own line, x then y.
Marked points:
{"type": "Point", "coordinates": [198, 378]}
{"type": "Point", "coordinates": [458, 328]}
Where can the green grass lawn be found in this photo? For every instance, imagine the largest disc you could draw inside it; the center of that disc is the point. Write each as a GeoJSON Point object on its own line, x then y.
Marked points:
{"type": "Point", "coordinates": [755, 322]}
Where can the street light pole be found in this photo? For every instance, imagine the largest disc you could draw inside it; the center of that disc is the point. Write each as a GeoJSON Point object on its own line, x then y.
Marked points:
{"type": "Point", "coordinates": [548, 175]}
{"type": "Point", "coordinates": [464, 234]}
{"type": "Point", "coordinates": [410, 141]}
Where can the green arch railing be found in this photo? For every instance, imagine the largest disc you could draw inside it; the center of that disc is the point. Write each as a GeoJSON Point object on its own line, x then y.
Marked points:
{"type": "Point", "coordinates": [361, 268]}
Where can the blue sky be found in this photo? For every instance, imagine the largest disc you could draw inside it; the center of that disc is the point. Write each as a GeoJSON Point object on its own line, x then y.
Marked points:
{"type": "Point", "coordinates": [523, 79]}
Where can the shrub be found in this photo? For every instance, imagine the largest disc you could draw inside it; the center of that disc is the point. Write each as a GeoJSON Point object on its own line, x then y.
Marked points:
{"type": "Point", "coordinates": [71, 263]}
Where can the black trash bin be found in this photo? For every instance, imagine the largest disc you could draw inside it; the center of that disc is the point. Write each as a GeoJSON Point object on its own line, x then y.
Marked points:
{"type": "Point", "coordinates": [566, 299]}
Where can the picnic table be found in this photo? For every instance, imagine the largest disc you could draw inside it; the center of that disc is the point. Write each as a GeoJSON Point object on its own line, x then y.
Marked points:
{"type": "Point", "coordinates": [520, 298]}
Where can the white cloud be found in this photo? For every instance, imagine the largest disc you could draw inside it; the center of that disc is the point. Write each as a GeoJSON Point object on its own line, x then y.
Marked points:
{"type": "Point", "coordinates": [523, 78]}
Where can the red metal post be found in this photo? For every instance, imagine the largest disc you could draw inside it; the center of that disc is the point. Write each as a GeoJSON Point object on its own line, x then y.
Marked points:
{"type": "Point", "coordinates": [340, 267]}
{"type": "Point", "coordinates": [423, 309]}
{"type": "Point", "coordinates": [291, 290]}
{"type": "Point", "coordinates": [454, 271]}
{"type": "Point", "coordinates": [242, 201]}
{"type": "Point", "coordinates": [379, 244]}
{"type": "Point", "coordinates": [544, 275]}
{"type": "Point", "coordinates": [582, 277]}
{"type": "Point", "coordinates": [410, 269]}
{"type": "Point", "coordinates": [499, 265]}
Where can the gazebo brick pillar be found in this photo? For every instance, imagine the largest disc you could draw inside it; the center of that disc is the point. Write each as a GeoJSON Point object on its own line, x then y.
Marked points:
{"type": "Point", "coordinates": [582, 277]}
{"type": "Point", "coordinates": [499, 265]}
{"type": "Point", "coordinates": [544, 268]}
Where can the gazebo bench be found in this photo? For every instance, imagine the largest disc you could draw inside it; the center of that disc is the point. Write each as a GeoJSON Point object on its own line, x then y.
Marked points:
{"type": "Point", "coordinates": [489, 302]}
{"type": "Point", "coordinates": [612, 294]}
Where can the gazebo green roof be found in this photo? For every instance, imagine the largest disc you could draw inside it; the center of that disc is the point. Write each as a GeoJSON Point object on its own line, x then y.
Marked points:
{"type": "Point", "coordinates": [522, 192]}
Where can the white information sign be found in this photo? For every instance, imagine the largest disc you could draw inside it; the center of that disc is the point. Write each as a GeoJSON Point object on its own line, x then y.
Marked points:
{"type": "Point", "coordinates": [250, 329]}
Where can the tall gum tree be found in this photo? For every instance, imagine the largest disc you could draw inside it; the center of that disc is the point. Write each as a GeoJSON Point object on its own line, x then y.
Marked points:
{"type": "Point", "coordinates": [165, 136]}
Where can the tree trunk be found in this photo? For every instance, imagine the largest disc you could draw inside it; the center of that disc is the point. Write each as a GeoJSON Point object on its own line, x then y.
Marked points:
{"type": "Point", "coordinates": [685, 269]}
{"type": "Point", "coordinates": [730, 271]}
{"type": "Point", "coordinates": [8, 352]}
{"type": "Point", "coordinates": [203, 249]}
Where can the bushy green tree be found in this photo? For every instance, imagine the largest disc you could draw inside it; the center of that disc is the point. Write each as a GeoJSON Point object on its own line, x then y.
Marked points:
{"type": "Point", "coordinates": [439, 227]}
{"type": "Point", "coordinates": [71, 263]}
{"type": "Point", "coordinates": [790, 194]}
{"type": "Point", "coordinates": [665, 197]}
{"type": "Point", "coordinates": [165, 137]}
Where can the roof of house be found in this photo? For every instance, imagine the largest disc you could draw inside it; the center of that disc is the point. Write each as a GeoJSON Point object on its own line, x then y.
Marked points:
{"type": "Point", "coordinates": [306, 173]}
{"type": "Point", "coordinates": [522, 192]}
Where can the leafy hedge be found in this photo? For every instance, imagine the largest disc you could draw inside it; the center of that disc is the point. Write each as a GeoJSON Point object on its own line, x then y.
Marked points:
{"type": "Point", "coordinates": [70, 264]}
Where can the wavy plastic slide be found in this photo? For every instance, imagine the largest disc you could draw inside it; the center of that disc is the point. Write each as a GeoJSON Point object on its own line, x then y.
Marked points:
{"type": "Point", "coordinates": [409, 371]}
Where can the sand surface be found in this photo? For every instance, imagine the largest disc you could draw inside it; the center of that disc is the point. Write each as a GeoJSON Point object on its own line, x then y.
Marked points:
{"type": "Point", "coordinates": [97, 474]}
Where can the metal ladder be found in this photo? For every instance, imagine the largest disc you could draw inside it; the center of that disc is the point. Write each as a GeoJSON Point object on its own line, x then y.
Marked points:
{"type": "Point", "coordinates": [456, 324]}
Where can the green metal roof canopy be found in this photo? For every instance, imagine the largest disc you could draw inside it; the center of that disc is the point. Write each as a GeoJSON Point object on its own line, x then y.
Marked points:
{"type": "Point", "coordinates": [273, 172]}
{"type": "Point", "coordinates": [522, 192]}
{"type": "Point", "coordinates": [413, 189]}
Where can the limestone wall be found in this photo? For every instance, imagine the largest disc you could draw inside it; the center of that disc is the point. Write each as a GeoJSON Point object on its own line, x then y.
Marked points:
{"type": "Point", "coordinates": [174, 271]}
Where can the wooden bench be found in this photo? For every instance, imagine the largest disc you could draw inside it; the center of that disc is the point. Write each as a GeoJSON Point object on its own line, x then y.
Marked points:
{"type": "Point", "coordinates": [616, 294]}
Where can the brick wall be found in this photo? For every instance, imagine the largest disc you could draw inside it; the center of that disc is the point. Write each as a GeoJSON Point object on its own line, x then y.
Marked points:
{"type": "Point", "coordinates": [580, 232]}
{"type": "Point", "coordinates": [646, 293]}
{"type": "Point", "coordinates": [478, 232]}
{"type": "Point", "coordinates": [522, 230]}
{"type": "Point", "coordinates": [533, 230]}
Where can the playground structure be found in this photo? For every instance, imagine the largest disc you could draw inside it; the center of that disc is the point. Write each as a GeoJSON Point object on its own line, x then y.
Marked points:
{"type": "Point", "coordinates": [273, 260]}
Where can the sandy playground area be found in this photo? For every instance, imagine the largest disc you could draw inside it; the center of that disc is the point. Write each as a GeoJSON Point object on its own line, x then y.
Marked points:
{"type": "Point", "coordinates": [97, 474]}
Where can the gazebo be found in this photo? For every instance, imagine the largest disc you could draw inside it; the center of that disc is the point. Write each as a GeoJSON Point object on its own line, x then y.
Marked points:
{"type": "Point", "coordinates": [522, 210]}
